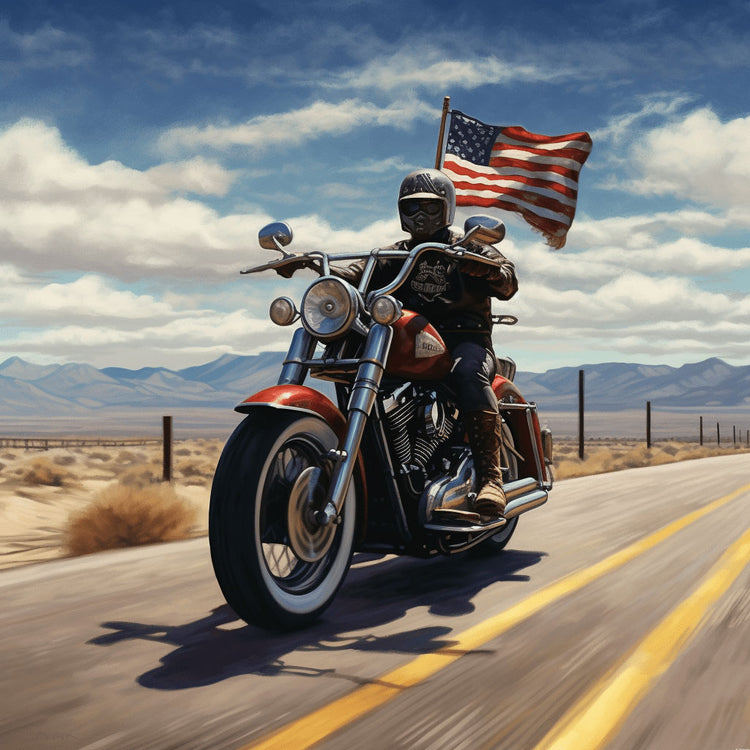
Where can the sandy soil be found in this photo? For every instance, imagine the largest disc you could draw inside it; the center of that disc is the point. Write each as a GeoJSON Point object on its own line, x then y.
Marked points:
{"type": "Point", "coordinates": [41, 490]}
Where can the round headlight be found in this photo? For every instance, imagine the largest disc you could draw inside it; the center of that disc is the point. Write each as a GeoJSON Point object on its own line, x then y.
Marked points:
{"type": "Point", "coordinates": [385, 310]}
{"type": "Point", "coordinates": [283, 312]}
{"type": "Point", "coordinates": [329, 307]}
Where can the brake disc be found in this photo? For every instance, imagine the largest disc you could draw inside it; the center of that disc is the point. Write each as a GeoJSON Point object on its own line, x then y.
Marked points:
{"type": "Point", "coordinates": [309, 540]}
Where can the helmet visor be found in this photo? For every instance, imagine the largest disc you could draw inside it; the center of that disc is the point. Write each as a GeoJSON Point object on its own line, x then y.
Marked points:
{"type": "Point", "coordinates": [412, 206]}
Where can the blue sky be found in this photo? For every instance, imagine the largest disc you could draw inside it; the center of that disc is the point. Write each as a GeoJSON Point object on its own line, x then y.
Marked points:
{"type": "Point", "coordinates": [143, 145]}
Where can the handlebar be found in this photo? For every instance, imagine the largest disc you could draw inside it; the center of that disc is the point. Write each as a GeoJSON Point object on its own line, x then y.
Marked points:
{"type": "Point", "coordinates": [321, 261]}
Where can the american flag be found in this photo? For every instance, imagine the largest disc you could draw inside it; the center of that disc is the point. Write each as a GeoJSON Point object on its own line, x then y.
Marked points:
{"type": "Point", "coordinates": [512, 169]}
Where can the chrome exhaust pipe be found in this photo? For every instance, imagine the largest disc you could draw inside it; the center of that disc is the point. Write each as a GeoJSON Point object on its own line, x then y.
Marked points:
{"type": "Point", "coordinates": [521, 495]}
{"type": "Point", "coordinates": [523, 502]}
{"type": "Point", "coordinates": [519, 487]}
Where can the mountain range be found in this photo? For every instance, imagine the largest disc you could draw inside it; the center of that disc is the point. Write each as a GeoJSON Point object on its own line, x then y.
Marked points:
{"type": "Point", "coordinates": [81, 390]}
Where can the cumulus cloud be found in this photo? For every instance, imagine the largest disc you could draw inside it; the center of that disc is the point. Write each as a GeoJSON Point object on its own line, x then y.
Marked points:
{"type": "Point", "coordinates": [181, 342]}
{"type": "Point", "coordinates": [60, 212]}
{"type": "Point", "coordinates": [671, 318]}
{"type": "Point", "coordinates": [88, 297]}
{"type": "Point", "coordinates": [296, 126]}
{"type": "Point", "coordinates": [699, 158]}
{"type": "Point", "coordinates": [91, 319]}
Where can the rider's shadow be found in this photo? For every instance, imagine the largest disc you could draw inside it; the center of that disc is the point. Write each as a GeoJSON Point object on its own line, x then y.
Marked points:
{"type": "Point", "coordinates": [207, 651]}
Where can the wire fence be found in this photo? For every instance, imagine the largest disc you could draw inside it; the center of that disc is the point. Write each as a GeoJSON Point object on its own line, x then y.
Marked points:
{"type": "Point", "coordinates": [45, 444]}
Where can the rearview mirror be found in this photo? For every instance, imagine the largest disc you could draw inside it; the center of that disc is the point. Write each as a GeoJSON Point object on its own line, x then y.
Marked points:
{"type": "Point", "coordinates": [484, 229]}
{"type": "Point", "coordinates": [275, 236]}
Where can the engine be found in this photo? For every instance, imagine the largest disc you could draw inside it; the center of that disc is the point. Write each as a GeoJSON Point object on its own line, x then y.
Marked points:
{"type": "Point", "coordinates": [420, 420]}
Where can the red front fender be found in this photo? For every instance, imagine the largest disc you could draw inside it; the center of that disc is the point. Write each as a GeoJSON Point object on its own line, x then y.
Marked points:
{"type": "Point", "coordinates": [297, 397]}
{"type": "Point", "coordinates": [302, 398]}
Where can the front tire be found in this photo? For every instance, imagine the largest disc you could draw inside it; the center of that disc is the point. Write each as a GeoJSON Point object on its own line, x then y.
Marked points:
{"type": "Point", "coordinates": [253, 531]}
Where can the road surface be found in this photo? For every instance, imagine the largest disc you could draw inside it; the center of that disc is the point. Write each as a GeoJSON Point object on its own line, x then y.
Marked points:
{"type": "Point", "coordinates": [619, 618]}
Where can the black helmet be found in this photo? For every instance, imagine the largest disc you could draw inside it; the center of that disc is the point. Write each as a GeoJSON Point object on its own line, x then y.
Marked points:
{"type": "Point", "coordinates": [426, 202]}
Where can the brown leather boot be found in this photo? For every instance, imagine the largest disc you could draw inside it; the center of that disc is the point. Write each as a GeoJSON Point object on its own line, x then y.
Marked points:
{"type": "Point", "coordinates": [484, 439]}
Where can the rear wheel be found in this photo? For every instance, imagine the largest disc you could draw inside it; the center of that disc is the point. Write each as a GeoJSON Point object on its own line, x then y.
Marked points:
{"type": "Point", "coordinates": [276, 566]}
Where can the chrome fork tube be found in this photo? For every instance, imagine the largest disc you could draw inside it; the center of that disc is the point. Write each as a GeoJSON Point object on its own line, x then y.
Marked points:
{"type": "Point", "coordinates": [302, 347]}
{"type": "Point", "coordinates": [361, 400]}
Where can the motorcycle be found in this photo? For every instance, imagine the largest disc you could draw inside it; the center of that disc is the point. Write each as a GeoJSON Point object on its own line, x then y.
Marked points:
{"type": "Point", "coordinates": [304, 482]}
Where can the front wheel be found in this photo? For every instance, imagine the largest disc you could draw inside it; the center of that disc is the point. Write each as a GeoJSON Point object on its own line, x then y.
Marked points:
{"type": "Point", "coordinates": [276, 567]}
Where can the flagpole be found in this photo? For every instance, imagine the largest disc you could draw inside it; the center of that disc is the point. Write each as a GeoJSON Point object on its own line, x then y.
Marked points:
{"type": "Point", "coordinates": [439, 154]}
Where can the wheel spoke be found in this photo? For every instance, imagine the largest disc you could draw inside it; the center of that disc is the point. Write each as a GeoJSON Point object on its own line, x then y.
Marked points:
{"type": "Point", "coordinates": [280, 558]}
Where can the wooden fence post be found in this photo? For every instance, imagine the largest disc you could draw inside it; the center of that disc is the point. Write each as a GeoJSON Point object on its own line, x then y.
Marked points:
{"type": "Point", "coordinates": [718, 435]}
{"type": "Point", "coordinates": [648, 424]}
{"type": "Point", "coordinates": [701, 431]}
{"type": "Point", "coordinates": [580, 415]}
{"type": "Point", "coordinates": [167, 433]}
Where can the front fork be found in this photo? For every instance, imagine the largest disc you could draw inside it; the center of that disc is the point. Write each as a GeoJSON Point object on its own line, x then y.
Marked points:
{"type": "Point", "coordinates": [361, 400]}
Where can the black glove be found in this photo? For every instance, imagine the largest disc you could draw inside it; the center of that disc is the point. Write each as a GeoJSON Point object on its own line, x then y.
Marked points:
{"type": "Point", "coordinates": [489, 271]}
{"type": "Point", "coordinates": [287, 269]}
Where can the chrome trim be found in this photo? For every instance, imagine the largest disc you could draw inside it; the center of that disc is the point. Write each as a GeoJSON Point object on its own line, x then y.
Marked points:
{"type": "Point", "coordinates": [301, 349]}
{"type": "Point", "coordinates": [352, 315]}
{"type": "Point", "coordinates": [534, 445]}
{"type": "Point", "coordinates": [525, 503]}
{"type": "Point", "coordinates": [473, 529]}
{"type": "Point", "coordinates": [519, 487]}
{"type": "Point", "coordinates": [362, 397]}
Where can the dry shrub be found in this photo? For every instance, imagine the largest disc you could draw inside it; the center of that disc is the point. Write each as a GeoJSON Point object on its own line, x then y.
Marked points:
{"type": "Point", "coordinates": [41, 471]}
{"type": "Point", "coordinates": [142, 475]}
{"type": "Point", "coordinates": [126, 516]}
{"type": "Point", "coordinates": [64, 460]}
{"type": "Point", "coordinates": [600, 460]}
{"type": "Point", "coordinates": [196, 471]}
{"type": "Point", "coordinates": [128, 457]}
{"type": "Point", "coordinates": [100, 456]}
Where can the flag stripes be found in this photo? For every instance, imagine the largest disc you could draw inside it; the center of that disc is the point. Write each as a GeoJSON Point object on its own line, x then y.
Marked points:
{"type": "Point", "coordinates": [515, 170]}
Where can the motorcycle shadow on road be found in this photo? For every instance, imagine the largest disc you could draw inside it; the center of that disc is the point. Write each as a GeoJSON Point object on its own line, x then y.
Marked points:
{"type": "Point", "coordinates": [375, 593]}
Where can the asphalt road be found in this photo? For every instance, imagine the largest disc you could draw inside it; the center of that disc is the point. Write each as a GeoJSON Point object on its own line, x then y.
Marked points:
{"type": "Point", "coordinates": [619, 617]}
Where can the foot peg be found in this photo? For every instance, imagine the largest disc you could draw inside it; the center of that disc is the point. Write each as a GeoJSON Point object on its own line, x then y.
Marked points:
{"type": "Point", "coordinates": [446, 515]}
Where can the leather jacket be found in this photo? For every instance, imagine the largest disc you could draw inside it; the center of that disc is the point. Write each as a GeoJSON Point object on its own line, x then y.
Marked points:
{"type": "Point", "coordinates": [452, 300]}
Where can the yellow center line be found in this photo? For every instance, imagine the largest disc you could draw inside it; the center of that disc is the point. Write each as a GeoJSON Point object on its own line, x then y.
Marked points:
{"type": "Point", "coordinates": [323, 722]}
{"type": "Point", "coordinates": [600, 713]}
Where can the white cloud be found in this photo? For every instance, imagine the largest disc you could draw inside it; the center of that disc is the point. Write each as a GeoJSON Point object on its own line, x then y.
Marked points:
{"type": "Point", "coordinates": [297, 126]}
{"type": "Point", "coordinates": [427, 67]}
{"type": "Point", "coordinates": [177, 343]}
{"type": "Point", "coordinates": [634, 312]}
{"type": "Point", "coordinates": [198, 175]}
{"type": "Point", "coordinates": [622, 128]}
{"type": "Point", "coordinates": [60, 212]}
{"type": "Point", "coordinates": [45, 47]}
{"type": "Point", "coordinates": [90, 319]}
{"type": "Point", "coordinates": [699, 158]}
{"type": "Point", "coordinates": [88, 297]}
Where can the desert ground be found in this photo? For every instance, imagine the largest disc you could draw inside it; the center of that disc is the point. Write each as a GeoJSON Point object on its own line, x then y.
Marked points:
{"type": "Point", "coordinates": [74, 500]}
{"type": "Point", "coordinates": [81, 499]}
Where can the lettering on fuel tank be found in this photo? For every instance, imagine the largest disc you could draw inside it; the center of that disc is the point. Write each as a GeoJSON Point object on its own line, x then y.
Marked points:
{"type": "Point", "coordinates": [426, 345]}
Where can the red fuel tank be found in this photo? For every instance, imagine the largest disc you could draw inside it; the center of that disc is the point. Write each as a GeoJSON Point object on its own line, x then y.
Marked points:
{"type": "Point", "coordinates": [417, 352]}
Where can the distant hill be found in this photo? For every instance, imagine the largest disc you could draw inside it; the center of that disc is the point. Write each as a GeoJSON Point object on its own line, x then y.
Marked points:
{"type": "Point", "coordinates": [79, 389]}
{"type": "Point", "coordinates": [614, 386]}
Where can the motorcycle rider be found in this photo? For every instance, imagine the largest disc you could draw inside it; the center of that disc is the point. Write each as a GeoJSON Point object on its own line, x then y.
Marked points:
{"type": "Point", "coordinates": [456, 298]}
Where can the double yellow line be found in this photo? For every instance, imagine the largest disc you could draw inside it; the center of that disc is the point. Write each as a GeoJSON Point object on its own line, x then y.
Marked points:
{"type": "Point", "coordinates": [585, 726]}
